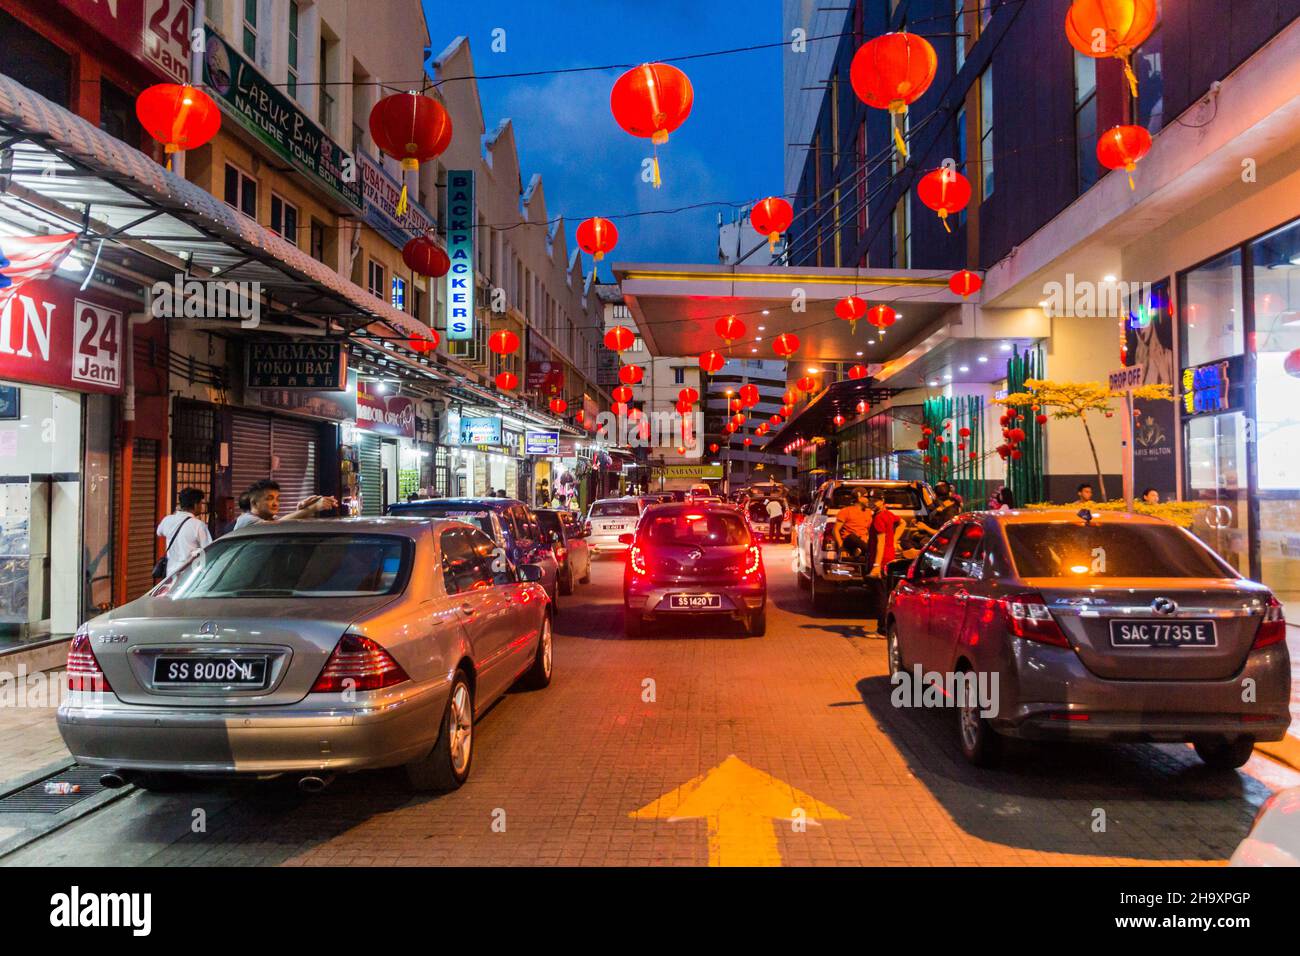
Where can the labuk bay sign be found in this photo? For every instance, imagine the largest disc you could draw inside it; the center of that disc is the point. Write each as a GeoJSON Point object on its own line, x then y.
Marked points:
{"type": "Point", "coordinates": [53, 334]}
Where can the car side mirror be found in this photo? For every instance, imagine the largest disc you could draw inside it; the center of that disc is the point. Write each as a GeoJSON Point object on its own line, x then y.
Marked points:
{"type": "Point", "coordinates": [529, 573]}
{"type": "Point", "coordinates": [626, 538]}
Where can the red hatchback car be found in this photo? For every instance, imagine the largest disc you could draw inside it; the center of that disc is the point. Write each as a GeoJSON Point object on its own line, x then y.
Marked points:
{"type": "Point", "coordinates": [693, 560]}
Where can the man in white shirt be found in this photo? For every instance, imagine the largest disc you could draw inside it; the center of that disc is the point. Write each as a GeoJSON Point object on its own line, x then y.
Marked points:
{"type": "Point", "coordinates": [775, 518]}
{"type": "Point", "coordinates": [186, 534]}
{"type": "Point", "coordinates": [264, 505]}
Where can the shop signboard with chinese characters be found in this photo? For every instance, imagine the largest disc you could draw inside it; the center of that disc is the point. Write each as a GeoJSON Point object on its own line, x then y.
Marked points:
{"type": "Point", "coordinates": [379, 195]}
{"type": "Point", "coordinates": [392, 415]}
{"type": "Point", "coordinates": [460, 249]}
{"type": "Point", "coordinates": [154, 32]}
{"type": "Point", "coordinates": [284, 364]}
{"type": "Point", "coordinates": [269, 115]}
{"type": "Point", "coordinates": [52, 333]}
{"type": "Point", "coordinates": [328, 405]}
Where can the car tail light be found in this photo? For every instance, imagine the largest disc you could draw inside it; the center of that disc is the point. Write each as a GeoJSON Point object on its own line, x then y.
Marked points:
{"type": "Point", "coordinates": [636, 560]}
{"type": "Point", "coordinates": [84, 672]}
{"type": "Point", "coordinates": [586, 529]}
{"type": "Point", "coordinates": [1027, 616]}
{"type": "Point", "coordinates": [560, 553]}
{"type": "Point", "coordinates": [1272, 630]}
{"type": "Point", "coordinates": [358, 663]}
{"type": "Point", "coordinates": [752, 560]}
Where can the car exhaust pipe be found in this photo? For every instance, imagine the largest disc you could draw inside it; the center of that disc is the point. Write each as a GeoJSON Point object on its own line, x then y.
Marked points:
{"type": "Point", "coordinates": [314, 784]}
{"type": "Point", "coordinates": [113, 780]}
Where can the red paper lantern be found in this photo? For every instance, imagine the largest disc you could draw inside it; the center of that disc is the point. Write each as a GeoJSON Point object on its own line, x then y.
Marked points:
{"type": "Point", "coordinates": [619, 339]}
{"type": "Point", "coordinates": [882, 317]}
{"type": "Point", "coordinates": [851, 308]}
{"type": "Point", "coordinates": [634, 414]}
{"type": "Point", "coordinates": [749, 394]}
{"type": "Point", "coordinates": [631, 374]}
{"type": "Point", "coordinates": [681, 449]}
{"type": "Point", "coordinates": [412, 128]}
{"type": "Point", "coordinates": [892, 70]}
{"type": "Point", "coordinates": [762, 429]}
{"type": "Point", "coordinates": [964, 283]}
{"type": "Point", "coordinates": [683, 407]}
{"type": "Point", "coordinates": [785, 344]}
{"type": "Point", "coordinates": [807, 384]}
{"type": "Point", "coordinates": [652, 100]}
{"type": "Point", "coordinates": [857, 372]}
{"type": "Point", "coordinates": [771, 217]}
{"type": "Point", "coordinates": [748, 442]}
{"type": "Point", "coordinates": [507, 381]}
{"type": "Point", "coordinates": [1041, 419]}
{"type": "Point", "coordinates": [787, 410]}
{"type": "Point", "coordinates": [863, 407]}
{"type": "Point", "coordinates": [839, 420]}
{"type": "Point", "coordinates": [729, 328]}
{"type": "Point", "coordinates": [1122, 147]}
{"type": "Point", "coordinates": [424, 256]}
{"type": "Point", "coordinates": [734, 405]}
{"type": "Point", "coordinates": [559, 406]}
{"type": "Point", "coordinates": [775, 419]}
{"type": "Point", "coordinates": [711, 361]}
{"type": "Point", "coordinates": [622, 394]}
{"type": "Point", "coordinates": [944, 190]}
{"type": "Point", "coordinates": [731, 428]}
{"type": "Point", "coordinates": [1111, 28]}
{"type": "Point", "coordinates": [689, 395]}
{"type": "Point", "coordinates": [597, 236]}
{"type": "Point", "coordinates": [179, 116]}
{"type": "Point", "coordinates": [738, 419]}
{"type": "Point", "coordinates": [503, 342]}
{"type": "Point", "coordinates": [713, 447]}
{"type": "Point", "coordinates": [618, 408]}
{"type": "Point", "coordinates": [422, 344]}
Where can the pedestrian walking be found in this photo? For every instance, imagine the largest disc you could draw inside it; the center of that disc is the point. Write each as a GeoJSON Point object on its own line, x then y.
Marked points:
{"type": "Point", "coordinates": [185, 532]}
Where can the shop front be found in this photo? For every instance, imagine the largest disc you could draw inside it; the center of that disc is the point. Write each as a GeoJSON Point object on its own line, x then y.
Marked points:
{"type": "Point", "coordinates": [61, 367]}
{"type": "Point", "coordinates": [1238, 395]}
{"type": "Point", "coordinates": [487, 457]}
{"type": "Point", "coordinates": [389, 464]}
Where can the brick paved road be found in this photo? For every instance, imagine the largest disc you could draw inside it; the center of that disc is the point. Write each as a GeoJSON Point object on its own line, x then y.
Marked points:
{"type": "Point", "coordinates": [807, 704]}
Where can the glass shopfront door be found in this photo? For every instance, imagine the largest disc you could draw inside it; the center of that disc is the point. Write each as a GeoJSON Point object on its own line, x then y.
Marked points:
{"type": "Point", "coordinates": [1217, 476]}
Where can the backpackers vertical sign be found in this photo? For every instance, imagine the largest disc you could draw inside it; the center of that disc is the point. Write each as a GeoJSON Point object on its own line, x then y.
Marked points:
{"type": "Point", "coordinates": [460, 248]}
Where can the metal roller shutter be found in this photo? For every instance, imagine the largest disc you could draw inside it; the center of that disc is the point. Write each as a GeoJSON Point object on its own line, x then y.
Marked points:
{"type": "Point", "coordinates": [250, 449]}
{"type": "Point", "coordinates": [372, 475]}
{"type": "Point", "coordinates": [141, 540]}
{"type": "Point", "coordinates": [293, 451]}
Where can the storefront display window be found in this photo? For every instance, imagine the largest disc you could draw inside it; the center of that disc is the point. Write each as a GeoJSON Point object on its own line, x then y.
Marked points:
{"type": "Point", "coordinates": [1213, 312]}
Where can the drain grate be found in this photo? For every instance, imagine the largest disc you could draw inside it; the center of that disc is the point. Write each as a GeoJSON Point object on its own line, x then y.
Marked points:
{"type": "Point", "coordinates": [34, 799]}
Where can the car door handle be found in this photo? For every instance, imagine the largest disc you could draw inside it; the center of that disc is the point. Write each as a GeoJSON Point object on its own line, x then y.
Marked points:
{"type": "Point", "coordinates": [468, 610]}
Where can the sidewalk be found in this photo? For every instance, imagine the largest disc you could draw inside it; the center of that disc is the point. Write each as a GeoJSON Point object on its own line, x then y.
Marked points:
{"type": "Point", "coordinates": [29, 738]}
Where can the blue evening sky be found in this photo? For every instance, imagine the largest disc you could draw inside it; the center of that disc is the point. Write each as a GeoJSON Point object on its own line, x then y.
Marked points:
{"type": "Point", "coordinates": [728, 149]}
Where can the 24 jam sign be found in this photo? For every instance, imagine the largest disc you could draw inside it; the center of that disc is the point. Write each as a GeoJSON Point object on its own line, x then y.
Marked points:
{"type": "Point", "coordinates": [51, 333]}
{"type": "Point", "coordinates": [96, 336]}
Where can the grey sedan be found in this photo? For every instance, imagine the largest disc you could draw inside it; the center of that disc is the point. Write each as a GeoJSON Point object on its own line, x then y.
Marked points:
{"type": "Point", "coordinates": [1059, 625]}
{"type": "Point", "coordinates": [309, 648]}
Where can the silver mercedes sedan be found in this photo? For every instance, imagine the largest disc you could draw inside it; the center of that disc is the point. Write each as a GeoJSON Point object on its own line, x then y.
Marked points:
{"type": "Point", "coordinates": [309, 648]}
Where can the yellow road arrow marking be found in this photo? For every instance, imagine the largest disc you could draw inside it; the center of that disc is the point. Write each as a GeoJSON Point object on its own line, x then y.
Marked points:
{"type": "Point", "coordinates": [741, 805]}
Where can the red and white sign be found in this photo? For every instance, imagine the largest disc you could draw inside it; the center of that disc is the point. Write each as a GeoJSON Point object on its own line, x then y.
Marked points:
{"type": "Point", "coordinates": [155, 32]}
{"type": "Point", "coordinates": [385, 414]}
{"type": "Point", "coordinates": [53, 334]}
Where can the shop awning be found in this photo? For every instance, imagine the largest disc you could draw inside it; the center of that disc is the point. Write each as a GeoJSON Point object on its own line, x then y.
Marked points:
{"type": "Point", "coordinates": [57, 171]}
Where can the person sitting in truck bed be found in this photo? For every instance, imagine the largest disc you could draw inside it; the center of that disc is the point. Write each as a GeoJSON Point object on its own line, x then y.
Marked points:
{"type": "Point", "coordinates": [853, 524]}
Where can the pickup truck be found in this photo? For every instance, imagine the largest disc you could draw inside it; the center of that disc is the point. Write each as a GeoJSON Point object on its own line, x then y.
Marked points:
{"type": "Point", "coordinates": [818, 564]}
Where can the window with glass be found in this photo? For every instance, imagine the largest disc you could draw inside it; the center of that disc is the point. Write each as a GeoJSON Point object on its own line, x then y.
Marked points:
{"type": "Point", "coordinates": [297, 565]}
{"type": "Point", "coordinates": [1148, 64]}
{"type": "Point", "coordinates": [250, 29]}
{"type": "Point", "coordinates": [1087, 169]}
{"type": "Point", "coordinates": [1210, 300]}
{"type": "Point", "coordinates": [959, 33]}
{"type": "Point", "coordinates": [1275, 274]}
{"type": "Point", "coordinates": [375, 279]}
{"type": "Point", "coordinates": [284, 218]}
{"type": "Point", "coordinates": [292, 85]}
{"type": "Point", "coordinates": [241, 191]}
{"type": "Point", "coordinates": [986, 132]}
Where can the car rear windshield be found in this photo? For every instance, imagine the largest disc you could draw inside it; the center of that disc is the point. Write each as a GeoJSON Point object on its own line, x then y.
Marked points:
{"type": "Point", "coordinates": [549, 522]}
{"type": "Point", "coordinates": [615, 509]}
{"type": "Point", "coordinates": [688, 526]}
{"type": "Point", "coordinates": [895, 497]}
{"type": "Point", "coordinates": [298, 565]}
{"type": "Point", "coordinates": [1069, 550]}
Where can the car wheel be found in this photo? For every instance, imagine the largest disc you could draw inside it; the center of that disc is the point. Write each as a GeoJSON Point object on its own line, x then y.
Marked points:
{"type": "Point", "coordinates": [1224, 753]}
{"type": "Point", "coordinates": [447, 766]}
{"type": "Point", "coordinates": [893, 653]}
{"type": "Point", "coordinates": [539, 675]}
{"type": "Point", "coordinates": [566, 581]}
{"type": "Point", "coordinates": [981, 745]}
{"type": "Point", "coordinates": [757, 623]}
{"type": "Point", "coordinates": [633, 626]}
